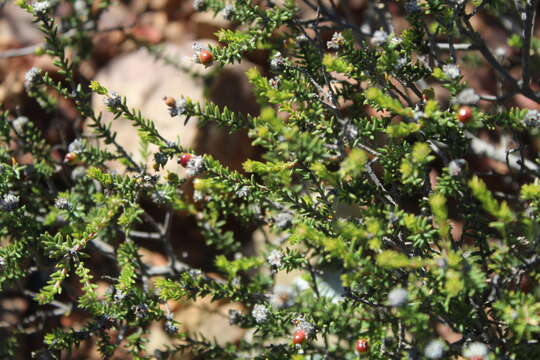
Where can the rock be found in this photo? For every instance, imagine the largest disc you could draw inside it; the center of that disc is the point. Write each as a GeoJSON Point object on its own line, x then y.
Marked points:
{"type": "Point", "coordinates": [116, 16]}
{"type": "Point", "coordinates": [211, 319]}
{"type": "Point", "coordinates": [206, 24]}
{"type": "Point", "coordinates": [230, 89]}
{"type": "Point", "coordinates": [20, 24]}
{"type": "Point", "coordinates": [145, 81]}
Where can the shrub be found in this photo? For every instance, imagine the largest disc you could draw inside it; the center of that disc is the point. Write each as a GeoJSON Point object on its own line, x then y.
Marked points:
{"type": "Point", "coordinates": [373, 185]}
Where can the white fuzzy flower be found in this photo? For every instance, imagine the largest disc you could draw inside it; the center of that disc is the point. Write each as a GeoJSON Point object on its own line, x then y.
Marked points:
{"type": "Point", "coordinates": [277, 61]}
{"type": "Point", "coordinates": [351, 132]}
{"type": "Point", "coordinates": [337, 41]}
{"type": "Point", "coordinates": [451, 71]}
{"type": "Point", "coordinates": [467, 97]}
{"type": "Point", "coordinates": [19, 122]}
{"type": "Point", "coordinates": [41, 7]}
{"type": "Point", "coordinates": [398, 297]}
{"type": "Point", "coordinates": [259, 313]}
{"type": "Point", "coordinates": [302, 324]}
{"type": "Point", "coordinates": [476, 349]}
{"type": "Point", "coordinates": [243, 192]}
{"type": "Point", "coordinates": [418, 114]}
{"type": "Point", "coordinates": [501, 52]}
{"type": "Point", "coordinates": [379, 37]}
{"type": "Point", "coordinates": [532, 118]}
{"type": "Point", "coordinates": [435, 349]}
{"type": "Point", "coordinates": [76, 146]}
{"type": "Point", "coordinates": [395, 40]}
{"type": "Point", "coordinates": [274, 259]}
{"type": "Point", "coordinates": [456, 167]}
{"type": "Point", "coordinates": [283, 219]}
{"type": "Point", "coordinates": [198, 196]}
{"type": "Point", "coordinates": [31, 78]}
{"type": "Point", "coordinates": [81, 8]}
{"type": "Point", "coordinates": [302, 39]}
{"type": "Point", "coordinates": [112, 100]}
{"type": "Point", "coordinates": [195, 166]}
{"type": "Point", "coordinates": [62, 204]}
{"type": "Point", "coordinates": [401, 62]}
{"type": "Point", "coordinates": [9, 202]}
{"type": "Point", "coordinates": [227, 12]}
{"type": "Point", "coordinates": [199, 5]}
{"type": "Point", "coordinates": [179, 107]}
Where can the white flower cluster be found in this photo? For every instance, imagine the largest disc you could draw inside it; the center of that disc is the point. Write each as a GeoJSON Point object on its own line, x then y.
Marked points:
{"type": "Point", "coordinates": [160, 197]}
{"type": "Point", "coordinates": [9, 202]}
{"type": "Point", "coordinates": [398, 297]}
{"type": "Point", "coordinates": [435, 349]}
{"type": "Point", "coordinates": [351, 132]}
{"type": "Point", "coordinates": [62, 204]}
{"type": "Point", "coordinates": [199, 5]}
{"type": "Point", "coordinates": [401, 62]}
{"type": "Point", "coordinates": [451, 71]}
{"type": "Point", "coordinates": [532, 118]}
{"type": "Point", "coordinates": [301, 39]}
{"type": "Point", "coordinates": [41, 7]}
{"type": "Point", "coordinates": [227, 12]}
{"type": "Point", "coordinates": [76, 146]}
{"type": "Point", "coordinates": [379, 37]}
{"type": "Point", "coordinates": [467, 97]}
{"type": "Point", "coordinates": [31, 78]}
{"type": "Point", "coordinates": [277, 61]}
{"type": "Point", "coordinates": [476, 350]}
{"type": "Point", "coordinates": [337, 41]}
{"type": "Point", "coordinates": [302, 324]}
{"type": "Point", "coordinates": [195, 166]}
{"type": "Point", "coordinates": [274, 259]}
{"type": "Point", "coordinates": [19, 122]}
{"type": "Point", "coordinates": [456, 167]}
{"type": "Point", "coordinates": [260, 313]}
{"type": "Point", "coordinates": [113, 100]}
{"type": "Point", "coordinates": [179, 108]}
{"type": "Point", "coordinates": [283, 219]}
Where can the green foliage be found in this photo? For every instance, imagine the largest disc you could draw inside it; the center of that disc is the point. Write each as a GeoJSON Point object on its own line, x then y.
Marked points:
{"type": "Point", "coordinates": [362, 190]}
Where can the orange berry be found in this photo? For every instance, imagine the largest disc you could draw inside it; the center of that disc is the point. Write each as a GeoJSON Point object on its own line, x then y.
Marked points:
{"type": "Point", "coordinates": [206, 57]}
{"type": "Point", "coordinates": [169, 101]}
{"type": "Point", "coordinates": [464, 114]}
{"type": "Point", "coordinates": [70, 157]}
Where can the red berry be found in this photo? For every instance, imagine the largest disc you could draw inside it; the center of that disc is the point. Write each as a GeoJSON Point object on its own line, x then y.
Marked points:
{"type": "Point", "coordinates": [70, 157]}
{"type": "Point", "coordinates": [464, 114]}
{"type": "Point", "coordinates": [299, 337]}
{"type": "Point", "coordinates": [477, 358]}
{"type": "Point", "coordinates": [184, 159]}
{"type": "Point", "coordinates": [206, 57]}
{"type": "Point", "coordinates": [362, 346]}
